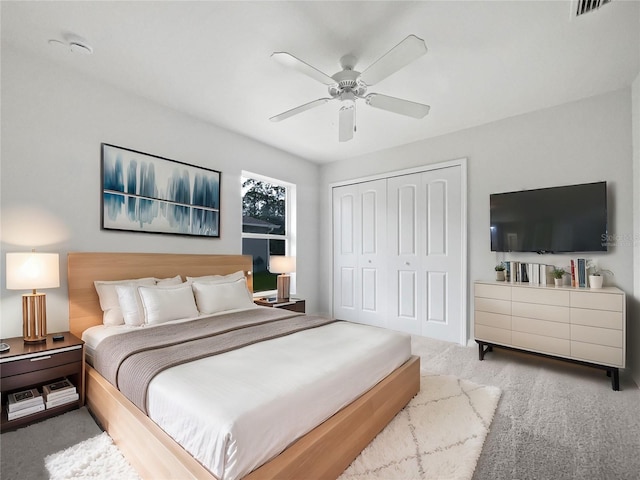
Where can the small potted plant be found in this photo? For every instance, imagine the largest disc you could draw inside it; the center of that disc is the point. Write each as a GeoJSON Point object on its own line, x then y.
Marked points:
{"type": "Point", "coordinates": [596, 278]}
{"type": "Point", "coordinates": [558, 276]}
{"type": "Point", "coordinates": [500, 272]}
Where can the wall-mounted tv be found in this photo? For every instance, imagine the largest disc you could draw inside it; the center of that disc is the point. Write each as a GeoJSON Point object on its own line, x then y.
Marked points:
{"type": "Point", "coordinates": [572, 218]}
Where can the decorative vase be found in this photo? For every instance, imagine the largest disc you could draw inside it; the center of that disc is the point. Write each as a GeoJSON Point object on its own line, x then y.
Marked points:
{"type": "Point", "coordinates": [595, 281]}
{"type": "Point", "coordinates": [558, 281]}
{"type": "Point", "coordinates": [500, 275]}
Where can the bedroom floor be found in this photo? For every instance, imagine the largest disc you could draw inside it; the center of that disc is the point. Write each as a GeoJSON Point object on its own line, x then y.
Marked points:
{"type": "Point", "coordinates": [554, 421]}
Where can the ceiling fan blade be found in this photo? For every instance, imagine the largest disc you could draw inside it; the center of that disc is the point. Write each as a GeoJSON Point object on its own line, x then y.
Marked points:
{"type": "Point", "coordinates": [346, 123]}
{"type": "Point", "coordinates": [290, 61]}
{"type": "Point", "coordinates": [300, 109]}
{"type": "Point", "coordinates": [397, 105]}
{"type": "Point", "coordinates": [408, 50]}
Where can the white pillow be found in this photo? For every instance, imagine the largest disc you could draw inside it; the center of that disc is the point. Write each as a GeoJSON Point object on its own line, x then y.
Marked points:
{"type": "Point", "coordinates": [232, 277]}
{"type": "Point", "coordinates": [162, 304]}
{"type": "Point", "coordinates": [109, 303]}
{"type": "Point", "coordinates": [130, 304]}
{"type": "Point", "coordinates": [219, 297]}
{"type": "Point", "coordinates": [177, 280]}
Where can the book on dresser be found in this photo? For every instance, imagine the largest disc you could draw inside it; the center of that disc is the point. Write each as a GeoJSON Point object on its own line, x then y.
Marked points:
{"type": "Point", "coordinates": [23, 400]}
{"type": "Point", "coordinates": [59, 393]}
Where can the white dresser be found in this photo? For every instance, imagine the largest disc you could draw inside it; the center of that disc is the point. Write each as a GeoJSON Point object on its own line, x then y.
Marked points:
{"type": "Point", "coordinates": [586, 326]}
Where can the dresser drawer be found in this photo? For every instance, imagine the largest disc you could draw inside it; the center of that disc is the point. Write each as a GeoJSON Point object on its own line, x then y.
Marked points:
{"type": "Point", "coordinates": [552, 313]}
{"type": "Point", "coordinates": [493, 305]}
{"type": "Point", "coordinates": [597, 353]}
{"type": "Point", "coordinates": [597, 318]}
{"type": "Point", "coordinates": [596, 335]}
{"type": "Point", "coordinates": [597, 301]}
{"type": "Point", "coordinates": [541, 343]}
{"type": "Point", "coordinates": [500, 292]}
{"type": "Point", "coordinates": [493, 319]}
{"type": "Point", "coordinates": [492, 334]}
{"type": "Point", "coordinates": [41, 362]}
{"type": "Point", "coordinates": [541, 327]}
{"type": "Point", "coordinates": [542, 295]}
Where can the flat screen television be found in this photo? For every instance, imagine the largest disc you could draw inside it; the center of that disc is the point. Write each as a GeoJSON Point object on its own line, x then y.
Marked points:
{"type": "Point", "coordinates": [571, 218]}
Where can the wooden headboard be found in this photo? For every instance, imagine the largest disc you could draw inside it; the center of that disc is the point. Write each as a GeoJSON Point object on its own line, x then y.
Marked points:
{"type": "Point", "coordinates": [84, 268]}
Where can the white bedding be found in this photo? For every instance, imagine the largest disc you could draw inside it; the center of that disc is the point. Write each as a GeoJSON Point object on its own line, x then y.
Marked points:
{"type": "Point", "coordinates": [239, 409]}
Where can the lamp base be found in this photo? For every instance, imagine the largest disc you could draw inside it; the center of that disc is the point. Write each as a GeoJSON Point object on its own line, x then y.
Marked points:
{"type": "Point", "coordinates": [283, 283]}
{"type": "Point", "coordinates": [34, 317]}
{"type": "Point", "coordinates": [35, 340]}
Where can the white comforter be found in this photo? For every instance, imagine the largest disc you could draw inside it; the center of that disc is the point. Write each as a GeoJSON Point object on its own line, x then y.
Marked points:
{"type": "Point", "coordinates": [235, 411]}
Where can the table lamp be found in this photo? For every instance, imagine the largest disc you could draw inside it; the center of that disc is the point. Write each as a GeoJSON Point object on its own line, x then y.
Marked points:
{"type": "Point", "coordinates": [30, 271]}
{"type": "Point", "coordinates": [283, 265]}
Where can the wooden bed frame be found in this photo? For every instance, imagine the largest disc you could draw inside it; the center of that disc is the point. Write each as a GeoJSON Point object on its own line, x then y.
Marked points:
{"type": "Point", "coordinates": [324, 452]}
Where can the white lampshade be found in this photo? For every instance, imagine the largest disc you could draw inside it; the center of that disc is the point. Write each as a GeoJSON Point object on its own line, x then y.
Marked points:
{"type": "Point", "coordinates": [282, 264]}
{"type": "Point", "coordinates": [32, 270]}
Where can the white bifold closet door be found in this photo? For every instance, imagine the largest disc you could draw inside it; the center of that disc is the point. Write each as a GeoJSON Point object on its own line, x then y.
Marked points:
{"type": "Point", "coordinates": [425, 254]}
{"type": "Point", "coordinates": [360, 247]}
{"type": "Point", "coordinates": [398, 259]}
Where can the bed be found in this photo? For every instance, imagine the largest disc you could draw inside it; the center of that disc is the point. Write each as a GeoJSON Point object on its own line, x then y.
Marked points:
{"type": "Point", "coordinates": [324, 452]}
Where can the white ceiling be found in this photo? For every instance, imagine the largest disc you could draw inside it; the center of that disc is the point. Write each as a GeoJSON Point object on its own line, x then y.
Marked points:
{"type": "Point", "coordinates": [487, 60]}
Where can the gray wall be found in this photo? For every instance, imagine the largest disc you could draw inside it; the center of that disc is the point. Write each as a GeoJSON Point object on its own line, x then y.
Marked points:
{"type": "Point", "coordinates": [53, 121]}
{"type": "Point", "coordinates": [584, 141]}
{"type": "Point", "coordinates": [633, 319]}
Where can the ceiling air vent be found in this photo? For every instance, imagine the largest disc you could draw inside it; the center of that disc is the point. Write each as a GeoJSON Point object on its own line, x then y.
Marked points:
{"type": "Point", "coordinates": [586, 6]}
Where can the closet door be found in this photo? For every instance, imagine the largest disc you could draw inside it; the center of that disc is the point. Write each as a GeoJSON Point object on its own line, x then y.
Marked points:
{"type": "Point", "coordinates": [425, 231]}
{"type": "Point", "coordinates": [346, 239]}
{"type": "Point", "coordinates": [359, 219]}
{"type": "Point", "coordinates": [440, 250]}
{"type": "Point", "coordinates": [405, 199]}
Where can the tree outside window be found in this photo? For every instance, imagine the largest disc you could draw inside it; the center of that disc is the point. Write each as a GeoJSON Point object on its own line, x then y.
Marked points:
{"type": "Point", "coordinates": [265, 226]}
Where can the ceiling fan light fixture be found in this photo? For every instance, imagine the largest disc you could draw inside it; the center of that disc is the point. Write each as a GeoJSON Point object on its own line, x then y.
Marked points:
{"type": "Point", "coordinates": [348, 84]}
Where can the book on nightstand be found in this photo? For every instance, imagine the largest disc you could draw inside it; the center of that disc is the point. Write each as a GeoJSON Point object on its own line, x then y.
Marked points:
{"type": "Point", "coordinates": [274, 302]}
{"type": "Point", "coordinates": [58, 389]}
{"type": "Point", "coordinates": [23, 400]}
{"type": "Point", "coordinates": [25, 411]}
{"type": "Point", "coordinates": [73, 397]}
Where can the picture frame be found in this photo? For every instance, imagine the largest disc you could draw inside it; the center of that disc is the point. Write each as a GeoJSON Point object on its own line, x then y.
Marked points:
{"type": "Point", "coordinates": [147, 193]}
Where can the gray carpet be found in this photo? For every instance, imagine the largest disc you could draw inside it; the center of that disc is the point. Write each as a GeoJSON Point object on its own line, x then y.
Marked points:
{"type": "Point", "coordinates": [554, 421]}
{"type": "Point", "coordinates": [22, 451]}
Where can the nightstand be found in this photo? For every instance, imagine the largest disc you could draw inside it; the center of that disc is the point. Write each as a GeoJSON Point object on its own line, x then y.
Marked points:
{"type": "Point", "coordinates": [293, 304]}
{"type": "Point", "coordinates": [32, 365]}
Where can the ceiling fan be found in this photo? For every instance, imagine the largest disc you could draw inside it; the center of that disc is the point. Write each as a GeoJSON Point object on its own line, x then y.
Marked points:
{"type": "Point", "coordinates": [348, 85]}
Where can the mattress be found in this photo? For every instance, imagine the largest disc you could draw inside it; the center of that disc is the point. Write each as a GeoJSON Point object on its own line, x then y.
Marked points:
{"type": "Point", "coordinates": [237, 410]}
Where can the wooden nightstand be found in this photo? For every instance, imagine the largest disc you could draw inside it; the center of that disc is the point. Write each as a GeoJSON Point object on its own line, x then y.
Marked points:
{"type": "Point", "coordinates": [293, 304]}
{"type": "Point", "coordinates": [32, 365]}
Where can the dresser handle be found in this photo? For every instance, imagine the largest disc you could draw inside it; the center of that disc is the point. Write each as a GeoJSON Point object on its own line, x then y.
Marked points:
{"type": "Point", "coordinates": [37, 359]}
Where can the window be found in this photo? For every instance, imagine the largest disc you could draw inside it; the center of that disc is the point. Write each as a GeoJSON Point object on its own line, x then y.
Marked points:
{"type": "Point", "coordinates": [268, 228]}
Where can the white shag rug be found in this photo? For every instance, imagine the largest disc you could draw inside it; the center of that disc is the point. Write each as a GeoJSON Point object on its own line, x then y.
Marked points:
{"type": "Point", "coordinates": [95, 458]}
{"type": "Point", "coordinates": [438, 435]}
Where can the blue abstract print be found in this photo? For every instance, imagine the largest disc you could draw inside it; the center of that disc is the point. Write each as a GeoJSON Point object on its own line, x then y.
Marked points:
{"type": "Point", "coordinates": [146, 193]}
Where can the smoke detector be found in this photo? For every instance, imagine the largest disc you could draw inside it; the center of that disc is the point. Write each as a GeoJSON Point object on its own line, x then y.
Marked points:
{"type": "Point", "coordinates": [73, 43]}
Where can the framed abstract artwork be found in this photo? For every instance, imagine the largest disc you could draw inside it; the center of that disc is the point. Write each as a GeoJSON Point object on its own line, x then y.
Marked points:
{"type": "Point", "coordinates": [147, 193]}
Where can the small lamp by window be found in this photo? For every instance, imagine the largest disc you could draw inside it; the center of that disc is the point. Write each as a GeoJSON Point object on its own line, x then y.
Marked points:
{"type": "Point", "coordinates": [30, 271]}
{"type": "Point", "coordinates": [283, 265]}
